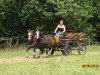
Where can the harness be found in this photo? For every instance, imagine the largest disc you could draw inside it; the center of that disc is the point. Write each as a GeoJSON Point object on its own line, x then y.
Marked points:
{"type": "Point", "coordinates": [48, 38]}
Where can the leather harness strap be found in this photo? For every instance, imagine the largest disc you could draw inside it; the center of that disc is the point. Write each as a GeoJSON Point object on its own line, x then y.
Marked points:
{"type": "Point", "coordinates": [47, 39]}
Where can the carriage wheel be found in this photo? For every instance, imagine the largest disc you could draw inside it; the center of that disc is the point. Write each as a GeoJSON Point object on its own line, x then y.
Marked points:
{"type": "Point", "coordinates": [82, 49]}
{"type": "Point", "coordinates": [66, 50]}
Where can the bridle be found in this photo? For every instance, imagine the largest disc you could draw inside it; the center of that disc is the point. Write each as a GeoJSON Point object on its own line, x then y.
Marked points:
{"type": "Point", "coordinates": [30, 35]}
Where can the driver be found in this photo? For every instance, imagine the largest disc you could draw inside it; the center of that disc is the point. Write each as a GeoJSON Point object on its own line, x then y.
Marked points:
{"type": "Point", "coordinates": [60, 29]}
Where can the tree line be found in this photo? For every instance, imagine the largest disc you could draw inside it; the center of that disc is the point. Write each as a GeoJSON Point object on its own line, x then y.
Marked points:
{"type": "Point", "coordinates": [17, 16]}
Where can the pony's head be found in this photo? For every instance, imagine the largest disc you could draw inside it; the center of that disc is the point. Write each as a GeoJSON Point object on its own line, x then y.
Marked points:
{"type": "Point", "coordinates": [30, 34]}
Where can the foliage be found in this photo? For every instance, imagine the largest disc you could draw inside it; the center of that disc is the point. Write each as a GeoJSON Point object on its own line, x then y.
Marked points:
{"type": "Point", "coordinates": [17, 16]}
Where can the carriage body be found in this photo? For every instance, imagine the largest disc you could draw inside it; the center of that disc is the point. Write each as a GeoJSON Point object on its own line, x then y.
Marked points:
{"type": "Point", "coordinates": [72, 39]}
{"type": "Point", "coordinates": [79, 37]}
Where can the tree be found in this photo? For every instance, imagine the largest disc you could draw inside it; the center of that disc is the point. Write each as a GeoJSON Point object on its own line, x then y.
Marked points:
{"type": "Point", "coordinates": [16, 16]}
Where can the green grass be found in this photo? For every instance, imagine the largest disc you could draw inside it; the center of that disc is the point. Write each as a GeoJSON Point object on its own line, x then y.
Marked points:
{"type": "Point", "coordinates": [14, 62]}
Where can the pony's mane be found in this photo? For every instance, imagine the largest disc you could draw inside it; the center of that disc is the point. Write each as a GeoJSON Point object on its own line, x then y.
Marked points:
{"type": "Point", "coordinates": [42, 34]}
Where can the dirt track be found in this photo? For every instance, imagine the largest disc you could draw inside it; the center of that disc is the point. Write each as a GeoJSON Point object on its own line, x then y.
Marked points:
{"type": "Point", "coordinates": [21, 59]}
{"type": "Point", "coordinates": [12, 60]}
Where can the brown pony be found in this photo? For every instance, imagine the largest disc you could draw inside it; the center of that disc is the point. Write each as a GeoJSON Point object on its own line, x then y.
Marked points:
{"type": "Point", "coordinates": [39, 40]}
{"type": "Point", "coordinates": [31, 42]}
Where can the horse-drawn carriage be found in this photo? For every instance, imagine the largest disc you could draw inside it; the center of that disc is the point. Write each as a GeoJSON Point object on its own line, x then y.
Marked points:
{"type": "Point", "coordinates": [72, 39]}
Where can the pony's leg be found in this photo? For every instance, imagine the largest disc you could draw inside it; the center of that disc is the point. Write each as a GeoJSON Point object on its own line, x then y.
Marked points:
{"type": "Point", "coordinates": [41, 52]}
{"type": "Point", "coordinates": [34, 52]}
{"type": "Point", "coordinates": [49, 52]}
{"type": "Point", "coordinates": [27, 51]}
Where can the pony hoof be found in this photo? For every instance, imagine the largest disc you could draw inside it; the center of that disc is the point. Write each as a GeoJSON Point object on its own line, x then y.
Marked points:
{"type": "Point", "coordinates": [27, 57]}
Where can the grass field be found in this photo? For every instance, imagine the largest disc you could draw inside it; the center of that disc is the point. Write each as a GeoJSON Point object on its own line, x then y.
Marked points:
{"type": "Point", "coordinates": [14, 62]}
